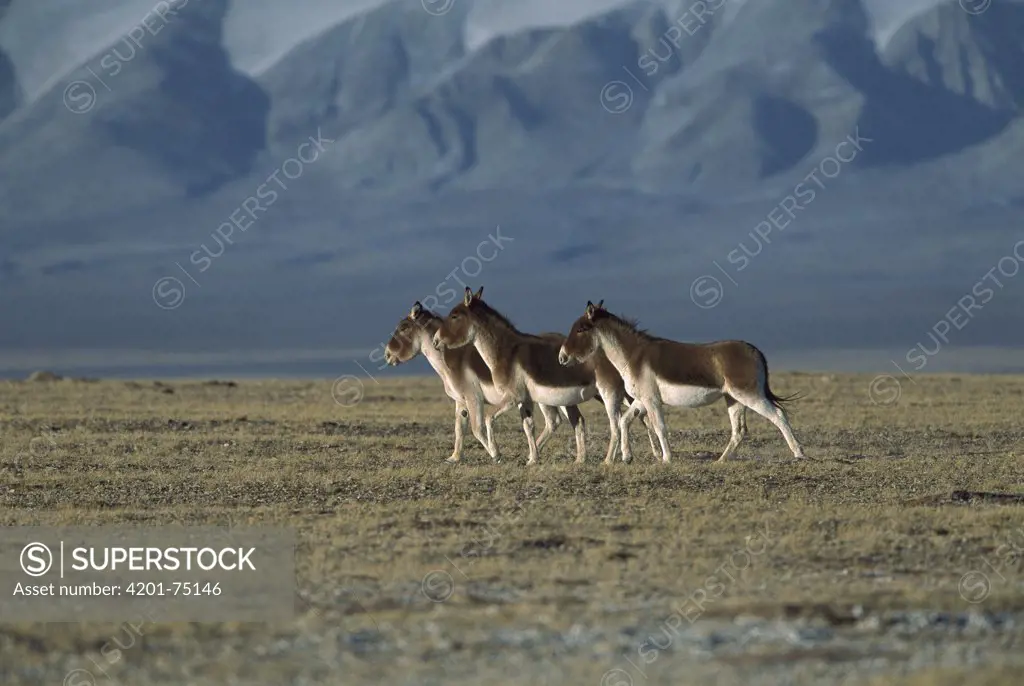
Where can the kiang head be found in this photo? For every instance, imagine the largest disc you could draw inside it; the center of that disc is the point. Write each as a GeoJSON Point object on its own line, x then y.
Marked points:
{"type": "Point", "coordinates": [460, 326]}
{"type": "Point", "coordinates": [582, 341]}
{"type": "Point", "coordinates": [407, 340]}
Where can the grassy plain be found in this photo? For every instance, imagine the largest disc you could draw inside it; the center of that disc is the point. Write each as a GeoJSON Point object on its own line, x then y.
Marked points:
{"type": "Point", "coordinates": [894, 556]}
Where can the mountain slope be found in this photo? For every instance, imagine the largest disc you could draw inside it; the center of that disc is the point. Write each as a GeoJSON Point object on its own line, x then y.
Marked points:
{"type": "Point", "coordinates": [975, 56]}
{"type": "Point", "coordinates": [359, 69]}
{"type": "Point", "coordinates": [10, 90]}
{"type": "Point", "coordinates": [137, 125]}
{"type": "Point", "coordinates": [723, 104]}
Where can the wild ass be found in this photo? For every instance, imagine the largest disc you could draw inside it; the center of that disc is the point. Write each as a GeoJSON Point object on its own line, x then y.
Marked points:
{"type": "Point", "coordinates": [525, 369]}
{"type": "Point", "coordinates": [659, 372]}
{"type": "Point", "coordinates": [466, 378]}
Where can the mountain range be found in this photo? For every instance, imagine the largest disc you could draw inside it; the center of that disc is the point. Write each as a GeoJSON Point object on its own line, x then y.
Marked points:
{"type": "Point", "coordinates": [630, 148]}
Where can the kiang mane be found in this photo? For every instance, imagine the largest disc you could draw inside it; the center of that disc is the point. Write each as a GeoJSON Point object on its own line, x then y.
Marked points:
{"type": "Point", "coordinates": [628, 323]}
{"type": "Point", "coordinates": [492, 313]}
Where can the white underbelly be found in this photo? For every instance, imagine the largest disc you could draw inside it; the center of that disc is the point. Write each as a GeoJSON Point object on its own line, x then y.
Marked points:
{"type": "Point", "coordinates": [560, 395]}
{"type": "Point", "coordinates": [687, 396]}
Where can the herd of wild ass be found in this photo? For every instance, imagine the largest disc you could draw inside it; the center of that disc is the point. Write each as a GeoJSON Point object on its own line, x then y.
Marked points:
{"type": "Point", "coordinates": [483, 359]}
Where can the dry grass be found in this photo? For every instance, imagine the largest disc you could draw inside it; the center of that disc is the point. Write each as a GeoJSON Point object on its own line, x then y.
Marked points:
{"type": "Point", "coordinates": [557, 572]}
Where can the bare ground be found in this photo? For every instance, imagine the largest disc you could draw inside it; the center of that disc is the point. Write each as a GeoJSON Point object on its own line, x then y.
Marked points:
{"type": "Point", "coordinates": [892, 557]}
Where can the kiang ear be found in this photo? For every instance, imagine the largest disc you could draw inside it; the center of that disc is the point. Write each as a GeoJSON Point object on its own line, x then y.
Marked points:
{"type": "Point", "coordinates": [416, 309]}
{"type": "Point", "coordinates": [589, 313]}
{"type": "Point", "coordinates": [479, 294]}
{"type": "Point", "coordinates": [469, 296]}
{"type": "Point", "coordinates": [600, 305]}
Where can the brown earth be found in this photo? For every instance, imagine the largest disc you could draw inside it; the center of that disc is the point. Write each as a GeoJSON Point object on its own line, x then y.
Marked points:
{"type": "Point", "coordinates": [892, 557]}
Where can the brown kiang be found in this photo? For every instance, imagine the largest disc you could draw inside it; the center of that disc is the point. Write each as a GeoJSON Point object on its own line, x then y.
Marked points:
{"type": "Point", "coordinates": [467, 381]}
{"type": "Point", "coordinates": [525, 370]}
{"type": "Point", "coordinates": [659, 372]}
